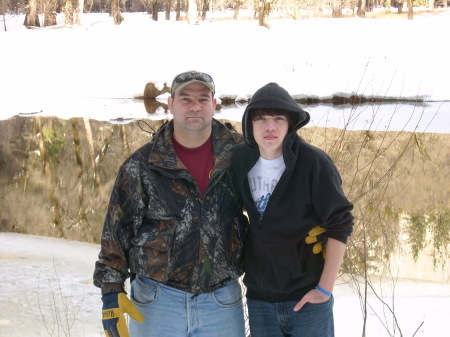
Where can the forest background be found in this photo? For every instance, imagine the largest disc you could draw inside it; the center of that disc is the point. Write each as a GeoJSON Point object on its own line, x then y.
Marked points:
{"type": "Point", "coordinates": [195, 11]}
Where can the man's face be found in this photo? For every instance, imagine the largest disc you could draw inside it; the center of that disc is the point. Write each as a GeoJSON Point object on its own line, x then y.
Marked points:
{"type": "Point", "coordinates": [269, 132]}
{"type": "Point", "coordinates": [193, 108]}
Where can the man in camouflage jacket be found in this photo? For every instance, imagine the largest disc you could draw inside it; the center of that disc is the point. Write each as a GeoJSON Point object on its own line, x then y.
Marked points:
{"type": "Point", "coordinates": [161, 228]}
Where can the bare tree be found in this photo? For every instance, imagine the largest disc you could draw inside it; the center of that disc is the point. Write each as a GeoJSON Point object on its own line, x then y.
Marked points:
{"type": "Point", "coordinates": [155, 10]}
{"type": "Point", "coordinates": [31, 16]}
{"type": "Point", "coordinates": [263, 13]}
{"type": "Point", "coordinates": [49, 11]}
{"type": "Point", "coordinates": [399, 5]}
{"type": "Point", "coordinates": [237, 6]}
{"type": "Point", "coordinates": [192, 12]}
{"type": "Point", "coordinates": [337, 9]}
{"type": "Point", "coordinates": [68, 13]}
{"type": "Point", "coordinates": [361, 8]}
{"type": "Point", "coordinates": [115, 12]}
{"type": "Point", "coordinates": [205, 7]}
{"type": "Point", "coordinates": [178, 10]}
{"type": "Point", "coordinates": [410, 9]}
{"type": "Point", "coordinates": [4, 14]}
{"type": "Point", "coordinates": [168, 4]}
{"type": "Point", "coordinates": [79, 12]}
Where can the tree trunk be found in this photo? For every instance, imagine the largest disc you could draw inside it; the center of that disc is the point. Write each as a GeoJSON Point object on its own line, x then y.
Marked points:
{"type": "Point", "coordinates": [192, 12]}
{"type": "Point", "coordinates": [49, 17]}
{"type": "Point", "coordinates": [205, 7]}
{"type": "Point", "coordinates": [178, 11]}
{"type": "Point", "coordinates": [399, 5]}
{"type": "Point", "coordinates": [115, 9]}
{"type": "Point", "coordinates": [155, 10]}
{"type": "Point", "coordinates": [167, 9]}
{"type": "Point", "coordinates": [410, 10]}
{"type": "Point", "coordinates": [237, 6]}
{"type": "Point", "coordinates": [361, 8]}
{"type": "Point", "coordinates": [68, 13]}
{"type": "Point", "coordinates": [79, 12]}
{"type": "Point", "coordinates": [431, 4]}
{"type": "Point", "coordinates": [4, 14]}
{"type": "Point", "coordinates": [32, 18]}
{"type": "Point", "coordinates": [337, 9]}
{"type": "Point", "coordinates": [50, 13]}
{"type": "Point", "coordinates": [264, 11]}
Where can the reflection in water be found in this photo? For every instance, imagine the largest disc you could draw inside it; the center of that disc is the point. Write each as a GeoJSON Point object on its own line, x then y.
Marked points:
{"type": "Point", "coordinates": [419, 117]}
{"type": "Point", "coordinates": [57, 175]}
{"type": "Point", "coordinates": [152, 105]}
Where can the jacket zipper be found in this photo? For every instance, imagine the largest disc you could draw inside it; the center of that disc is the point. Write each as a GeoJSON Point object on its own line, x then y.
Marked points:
{"type": "Point", "coordinates": [261, 274]}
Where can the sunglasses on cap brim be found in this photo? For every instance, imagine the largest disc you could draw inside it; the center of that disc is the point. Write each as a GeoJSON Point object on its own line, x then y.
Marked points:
{"type": "Point", "coordinates": [193, 75]}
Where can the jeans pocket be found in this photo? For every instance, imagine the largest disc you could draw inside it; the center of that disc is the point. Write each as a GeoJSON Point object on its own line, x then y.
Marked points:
{"type": "Point", "coordinates": [325, 303]}
{"type": "Point", "coordinates": [144, 290]}
{"type": "Point", "coordinates": [229, 295]}
{"type": "Point", "coordinates": [316, 319]}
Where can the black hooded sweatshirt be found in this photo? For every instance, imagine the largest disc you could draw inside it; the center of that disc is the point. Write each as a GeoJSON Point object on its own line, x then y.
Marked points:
{"type": "Point", "coordinates": [279, 265]}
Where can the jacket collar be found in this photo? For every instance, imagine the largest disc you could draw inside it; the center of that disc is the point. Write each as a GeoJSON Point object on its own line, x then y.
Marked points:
{"type": "Point", "coordinates": [163, 153]}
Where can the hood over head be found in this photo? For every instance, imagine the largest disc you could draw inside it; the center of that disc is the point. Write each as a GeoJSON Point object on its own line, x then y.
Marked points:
{"type": "Point", "coordinates": [272, 96]}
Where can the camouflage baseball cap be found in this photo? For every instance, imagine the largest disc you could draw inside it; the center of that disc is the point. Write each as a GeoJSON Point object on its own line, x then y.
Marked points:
{"type": "Point", "coordinates": [183, 79]}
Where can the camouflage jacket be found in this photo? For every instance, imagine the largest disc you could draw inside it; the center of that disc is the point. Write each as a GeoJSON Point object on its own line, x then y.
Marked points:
{"type": "Point", "coordinates": [158, 223]}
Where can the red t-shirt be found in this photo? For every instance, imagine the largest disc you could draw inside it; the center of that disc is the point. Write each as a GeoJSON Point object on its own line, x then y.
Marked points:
{"type": "Point", "coordinates": [199, 161]}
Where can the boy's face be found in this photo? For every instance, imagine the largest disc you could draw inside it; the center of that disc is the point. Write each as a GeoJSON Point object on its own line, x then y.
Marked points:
{"type": "Point", "coordinates": [269, 132]}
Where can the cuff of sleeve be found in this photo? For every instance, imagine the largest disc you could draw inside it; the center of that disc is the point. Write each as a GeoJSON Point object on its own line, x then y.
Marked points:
{"type": "Point", "coordinates": [112, 288]}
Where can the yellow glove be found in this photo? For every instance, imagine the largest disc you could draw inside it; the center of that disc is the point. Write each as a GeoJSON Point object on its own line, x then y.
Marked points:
{"type": "Point", "coordinates": [318, 236]}
{"type": "Point", "coordinates": [115, 305]}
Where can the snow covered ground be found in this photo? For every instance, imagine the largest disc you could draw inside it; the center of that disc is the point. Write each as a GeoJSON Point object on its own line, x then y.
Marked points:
{"type": "Point", "coordinates": [96, 69]}
{"type": "Point", "coordinates": [47, 290]}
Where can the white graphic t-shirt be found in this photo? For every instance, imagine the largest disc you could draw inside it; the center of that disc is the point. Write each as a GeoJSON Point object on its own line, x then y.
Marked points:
{"type": "Point", "coordinates": [262, 178]}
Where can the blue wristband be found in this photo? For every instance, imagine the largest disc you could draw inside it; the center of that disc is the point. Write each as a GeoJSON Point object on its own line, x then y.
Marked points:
{"type": "Point", "coordinates": [323, 291]}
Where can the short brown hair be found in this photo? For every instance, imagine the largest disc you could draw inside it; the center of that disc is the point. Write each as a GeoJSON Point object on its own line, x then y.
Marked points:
{"type": "Point", "coordinates": [272, 112]}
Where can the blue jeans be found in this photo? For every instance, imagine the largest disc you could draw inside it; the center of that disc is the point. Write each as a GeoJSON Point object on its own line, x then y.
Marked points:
{"type": "Point", "coordinates": [169, 312]}
{"type": "Point", "coordinates": [280, 320]}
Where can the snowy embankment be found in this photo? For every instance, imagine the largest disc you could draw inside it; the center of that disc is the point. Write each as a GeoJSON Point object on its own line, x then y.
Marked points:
{"type": "Point", "coordinates": [52, 70]}
{"type": "Point", "coordinates": [47, 290]}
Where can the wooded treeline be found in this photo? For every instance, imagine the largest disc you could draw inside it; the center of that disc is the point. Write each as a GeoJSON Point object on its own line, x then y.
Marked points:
{"type": "Point", "coordinates": [43, 13]}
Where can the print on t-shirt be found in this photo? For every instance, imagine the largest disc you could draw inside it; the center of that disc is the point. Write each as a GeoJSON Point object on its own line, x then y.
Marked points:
{"type": "Point", "coordinates": [262, 203]}
{"type": "Point", "coordinates": [263, 178]}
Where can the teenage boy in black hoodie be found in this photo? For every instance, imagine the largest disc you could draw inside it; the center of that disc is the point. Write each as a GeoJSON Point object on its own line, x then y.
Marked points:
{"type": "Point", "coordinates": [292, 193]}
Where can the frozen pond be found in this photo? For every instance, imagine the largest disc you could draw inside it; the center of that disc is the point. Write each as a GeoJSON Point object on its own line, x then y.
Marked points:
{"type": "Point", "coordinates": [433, 117]}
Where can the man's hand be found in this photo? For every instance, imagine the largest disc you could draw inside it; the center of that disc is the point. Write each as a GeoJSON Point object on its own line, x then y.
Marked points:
{"type": "Point", "coordinates": [318, 236]}
{"type": "Point", "coordinates": [115, 305]}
